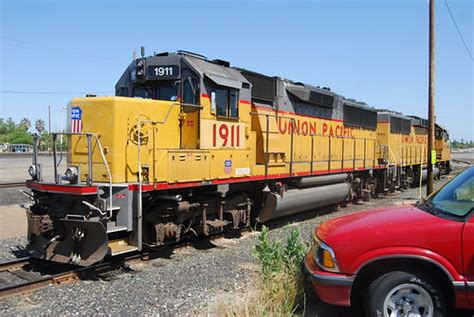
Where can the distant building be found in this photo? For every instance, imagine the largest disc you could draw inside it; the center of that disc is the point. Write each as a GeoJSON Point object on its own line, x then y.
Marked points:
{"type": "Point", "coordinates": [21, 148]}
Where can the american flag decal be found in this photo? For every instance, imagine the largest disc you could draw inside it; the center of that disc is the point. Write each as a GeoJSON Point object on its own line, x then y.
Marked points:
{"type": "Point", "coordinates": [76, 119]}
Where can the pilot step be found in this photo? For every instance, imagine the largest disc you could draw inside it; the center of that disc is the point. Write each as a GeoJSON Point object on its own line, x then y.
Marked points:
{"type": "Point", "coordinates": [121, 246]}
{"type": "Point", "coordinates": [112, 227]}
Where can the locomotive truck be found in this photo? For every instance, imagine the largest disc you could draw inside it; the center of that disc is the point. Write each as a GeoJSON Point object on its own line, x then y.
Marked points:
{"type": "Point", "coordinates": [190, 146]}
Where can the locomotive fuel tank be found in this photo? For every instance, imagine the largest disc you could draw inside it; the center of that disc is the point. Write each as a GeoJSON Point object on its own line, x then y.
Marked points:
{"type": "Point", "coordinates": [307, 196]}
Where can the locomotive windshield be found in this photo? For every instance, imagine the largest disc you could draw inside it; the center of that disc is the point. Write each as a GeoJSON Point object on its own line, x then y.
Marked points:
{"type": "Point", "coordinates": [162, 91]}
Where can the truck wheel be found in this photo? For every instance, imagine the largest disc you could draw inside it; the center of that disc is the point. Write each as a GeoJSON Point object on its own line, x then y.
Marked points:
{"type": "Point", "coordinates": [405, 294]}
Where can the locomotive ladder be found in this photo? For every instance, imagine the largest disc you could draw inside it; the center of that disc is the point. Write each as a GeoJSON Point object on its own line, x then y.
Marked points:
{"type": "Point", "coordinates": [141, 123]}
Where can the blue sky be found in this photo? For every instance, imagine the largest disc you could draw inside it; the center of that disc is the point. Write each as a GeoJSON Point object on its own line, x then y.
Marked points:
{"type": "Point", "coordinates": [373, 51]}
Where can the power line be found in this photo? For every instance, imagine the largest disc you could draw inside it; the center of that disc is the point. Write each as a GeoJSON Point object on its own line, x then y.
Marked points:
{"type": "Point", "coordinates": [60, 50]}
{"type": "Point", "coordinates": [458, 30]}
{"type": "Point", "coordinates": [53, 92]}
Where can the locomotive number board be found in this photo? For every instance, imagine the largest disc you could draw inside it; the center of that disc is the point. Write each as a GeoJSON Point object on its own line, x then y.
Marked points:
{"type": "Point", "coordinates": [216, 135]}
{"type": "Point", "coordinates": [162, 72]}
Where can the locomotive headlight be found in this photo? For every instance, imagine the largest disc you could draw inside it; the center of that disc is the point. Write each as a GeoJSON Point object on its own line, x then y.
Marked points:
{"type": "Point", "coordinates": [32, 171]}
{"type": "Point", "coordinates": [71, 174]}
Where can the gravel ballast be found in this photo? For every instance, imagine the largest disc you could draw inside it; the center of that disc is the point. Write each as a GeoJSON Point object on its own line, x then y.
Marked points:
{"type": "Point", "coordinates": [190, 280]}
{"type": "Point", "coordinates": [13, 196]}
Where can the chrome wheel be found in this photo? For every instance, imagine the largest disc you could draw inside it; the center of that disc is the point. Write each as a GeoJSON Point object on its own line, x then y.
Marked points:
{"type": "Point", "coordinates": [409, 300]}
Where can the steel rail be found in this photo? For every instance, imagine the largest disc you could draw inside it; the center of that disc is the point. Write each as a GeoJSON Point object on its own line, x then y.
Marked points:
{"type": "Point", "coordinates": [14, 263]}
{"type": "Point", "coordinates": [29, 286]}
{"type": "Point", "coordinates": [13, 185]}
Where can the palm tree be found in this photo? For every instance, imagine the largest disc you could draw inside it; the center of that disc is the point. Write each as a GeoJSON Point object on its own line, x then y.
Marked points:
{"type": "Point", "coordinates": [25, 124]}
{"type": "Point", "coordinates": [40, 125]}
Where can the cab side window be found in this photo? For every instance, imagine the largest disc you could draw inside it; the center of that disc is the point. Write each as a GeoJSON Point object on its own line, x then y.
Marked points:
{"type": "Point", "coordinates": [123, 91]}
{"type": "Point", "coordinates": [190, 91]}
{"type": "Point", "coordinates": [226, 102]}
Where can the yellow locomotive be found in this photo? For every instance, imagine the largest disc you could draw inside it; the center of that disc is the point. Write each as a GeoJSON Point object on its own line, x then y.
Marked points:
{"type": "Point", "coordinates": [191, 146]}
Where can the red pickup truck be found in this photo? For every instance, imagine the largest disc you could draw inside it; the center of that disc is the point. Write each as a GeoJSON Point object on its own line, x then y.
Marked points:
{"type": "Point", "coordinates": [412, 260]}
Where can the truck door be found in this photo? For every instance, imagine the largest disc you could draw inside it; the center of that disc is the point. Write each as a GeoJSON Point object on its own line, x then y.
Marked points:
{"type": "Point", "coordinates": [468, 258]}
{"type": "Point", "coordinates": [465, 193]}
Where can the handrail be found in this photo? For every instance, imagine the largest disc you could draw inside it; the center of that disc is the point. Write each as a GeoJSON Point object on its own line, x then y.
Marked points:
{"type": "Point", "coordinates": [375, 141]}
{"type": "Point", "coordinates": [89, 181]}
{"type": "Point", "coordinates": [411, 156]}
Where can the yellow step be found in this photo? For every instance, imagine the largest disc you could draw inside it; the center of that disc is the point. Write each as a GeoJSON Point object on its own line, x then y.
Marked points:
{"type": "Point", "coordinates": [121, 246]}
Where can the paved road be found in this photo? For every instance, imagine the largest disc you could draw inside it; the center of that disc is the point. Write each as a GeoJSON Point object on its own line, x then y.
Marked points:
{"type": "Point", "coordinates": [465, 156]}
{"type": "Point", "coordinates": [15, 169]}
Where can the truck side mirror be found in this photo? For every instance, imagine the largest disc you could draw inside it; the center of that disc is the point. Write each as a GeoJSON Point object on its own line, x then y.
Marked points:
{"type": "Point", "coordinates": [213, 102]}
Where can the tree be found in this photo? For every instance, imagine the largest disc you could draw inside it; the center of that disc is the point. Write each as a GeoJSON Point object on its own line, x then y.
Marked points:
{"type": "Point", "coordinates": [20, 136]}
{"type": "Point", "coordinates": [10, 125]}
{"type": "Point", "coordinates": [40, 125]}
{"type": "Point", "coordinates": [13, 133]}
{"type": "Point", "coordinates": [46, 141]}
{"type": "Point", "coordinates": [24, 124]}
{"type": "Point", "coordinates": [6, 126]}
{"type": "Point", "coordinates": [3, 126]}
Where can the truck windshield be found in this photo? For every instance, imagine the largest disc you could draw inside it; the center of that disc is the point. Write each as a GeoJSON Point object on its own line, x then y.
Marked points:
{"type": "Point", "coordinates": [163, 91]}
{"type": "Point", "coordinates": [456, 198]}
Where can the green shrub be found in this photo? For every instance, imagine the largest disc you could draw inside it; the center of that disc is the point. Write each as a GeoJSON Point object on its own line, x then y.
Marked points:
{"type": "Point", "coordinates": [282, 279]}
{"type": "Point", "coordinates": [270, 254]}
{"type": "Point", "coordinates": [280, 289]}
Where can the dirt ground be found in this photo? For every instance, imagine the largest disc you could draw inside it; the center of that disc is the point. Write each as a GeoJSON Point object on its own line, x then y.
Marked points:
{"type": "Point", "coordinates": [12, 221]}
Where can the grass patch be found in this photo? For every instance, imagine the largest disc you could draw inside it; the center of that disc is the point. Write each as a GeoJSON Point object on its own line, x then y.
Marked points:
{"type": "Point", "coordinates": [280, 289]}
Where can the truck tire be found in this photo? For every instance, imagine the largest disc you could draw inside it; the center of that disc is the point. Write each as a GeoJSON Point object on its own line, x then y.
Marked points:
{"type": "Point", "coordinates": [414, 292]}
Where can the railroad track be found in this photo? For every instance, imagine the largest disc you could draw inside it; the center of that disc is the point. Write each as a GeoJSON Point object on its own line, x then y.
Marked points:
{"type": "Point", "coordinates": [461, 161]}
{"type": "Point", "coordinates": [26, 275]}
{"type": "Point", "coordinates": [12, 185]}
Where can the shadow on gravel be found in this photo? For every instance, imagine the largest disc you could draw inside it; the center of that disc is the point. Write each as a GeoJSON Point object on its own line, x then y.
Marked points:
{"type": "Point", "coordinates": [317, 308]}
{"type": "Point", "coordinates": [283, 221]}
{"type": "Point", "coordinates": [203, 245]}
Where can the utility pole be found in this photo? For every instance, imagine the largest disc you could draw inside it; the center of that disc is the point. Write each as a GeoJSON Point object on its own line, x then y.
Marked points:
{"type": "Point", "coordinates": [49, 119]}
{"type": "Point", "coordinates": [431, 93]}
{"type": "Point", "coordinates": [49, 127]}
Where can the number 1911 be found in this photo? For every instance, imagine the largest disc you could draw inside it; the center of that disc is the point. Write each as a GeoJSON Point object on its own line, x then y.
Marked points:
{"type": "Point", "coordinates": [225, 135]}
{"type": "Point", "coordinates": [163, 71]}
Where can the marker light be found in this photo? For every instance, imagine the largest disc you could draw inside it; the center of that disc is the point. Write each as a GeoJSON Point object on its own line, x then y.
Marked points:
{"type": "Point", "coordinates": [327, 260]}
{"type": "Point", "coordinates": [32, 171]}
{"type": "Point", "coordinates": [71, 174]}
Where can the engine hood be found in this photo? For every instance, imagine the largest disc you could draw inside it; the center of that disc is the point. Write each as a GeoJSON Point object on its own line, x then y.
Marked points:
{"type": "Point", "coordinates": [353, 235]}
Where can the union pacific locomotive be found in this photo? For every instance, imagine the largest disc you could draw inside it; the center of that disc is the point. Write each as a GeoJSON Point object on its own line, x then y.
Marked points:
{"type": "Point", "coordinates": [191, 146]}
